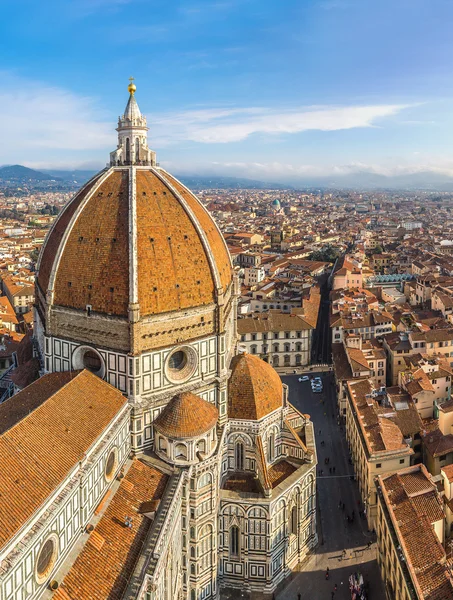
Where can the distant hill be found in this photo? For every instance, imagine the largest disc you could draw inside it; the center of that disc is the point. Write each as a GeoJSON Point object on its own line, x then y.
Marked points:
{"type": "Point", "coordinates": [194, 182]}
{"type": "Point", "coordinates": [77, 176]}
{"type": "Point", "coordinates": [23, 174]}
{"type": "Point", "coordinates": [197, 182]}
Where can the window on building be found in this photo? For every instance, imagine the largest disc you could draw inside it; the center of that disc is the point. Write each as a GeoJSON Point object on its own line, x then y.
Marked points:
{"type": "Point", "coordinates": [287, 360]}
{"type": "Point", "coordinates": [401, 461]}
{"type": "Point", "coordinates": [253, 349]}
{"type": "Point", "coordinates": [234, 540]}
{"type": "Point", "coordinates": [239, 456]}
{"type": "Point", "coordinates": [180, 451]}
{"type": "Point", "coordinates": [293, 523]}
{"type": "Point", "coordinates": [271, 447]}
{"type": "Point", "coordinates": [287, 347]}
{"type": "Point", "coordinates": [287, 335]}
{"type": "Point", "coordinates": [378, 465]}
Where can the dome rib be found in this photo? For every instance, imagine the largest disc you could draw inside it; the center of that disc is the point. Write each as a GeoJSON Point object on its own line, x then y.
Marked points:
{"type": "Point", "coordinates": [209, 253]}
{"type": "Point", "coordinates": [254, 389]}
{"type": "Point", "coordinates": [209, 227]}
{"type": "Point", "coordinates": [186, 416]}
{"type": "Point", "coordinates": [57, 232]}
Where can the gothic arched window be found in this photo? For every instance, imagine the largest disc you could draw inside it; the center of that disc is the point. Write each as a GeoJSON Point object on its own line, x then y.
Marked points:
{"type": "Point", "coordinates": [293, 522]}
{"type": "Point", "coordinates": [271, 447]}
{"type": "Point", "coordinates": [234, 540]}
{"type": "Point", "coordinates": [239, 456]}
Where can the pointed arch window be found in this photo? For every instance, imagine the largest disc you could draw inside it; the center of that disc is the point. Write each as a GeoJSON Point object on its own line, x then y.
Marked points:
{"type": "Point", "coordinates": [271, 447]}
{"type": "Point", "coordinates": [234, 540]}
{"type": "Point", "coordinates": [293, 521]}
{"type": "Point", "coordinates": [239, 456]}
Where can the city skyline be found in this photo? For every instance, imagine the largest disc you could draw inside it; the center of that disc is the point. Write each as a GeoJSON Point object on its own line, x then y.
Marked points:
{"type": "Point", "coordinates": [330, 89]}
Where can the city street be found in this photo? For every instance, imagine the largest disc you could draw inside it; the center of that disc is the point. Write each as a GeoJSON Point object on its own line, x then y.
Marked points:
{"type": "Point", "coordinates": [336, 535]}
{"type": "Point", "coordinates": [322, 343]}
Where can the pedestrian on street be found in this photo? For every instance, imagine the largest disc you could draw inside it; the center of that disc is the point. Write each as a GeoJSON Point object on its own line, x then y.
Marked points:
{"type": "Point", "coordinates": [299, 596]}
{"type": "Point", "coordinates": [330, 470]}
{"type": "Point", "coordinates": [333, 594]}
{"type": "Point", "coordinates": [319, 432]}
{"type": "Point", "coordinates": [334, 470]}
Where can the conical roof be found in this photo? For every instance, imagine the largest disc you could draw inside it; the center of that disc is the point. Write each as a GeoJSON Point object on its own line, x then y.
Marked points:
{"type": "Point", "coordinates": [254, 389]}
{"type": "Point", "coordinates": [132, 111]}
{"type": "Point", "coordinates": [186, 416]}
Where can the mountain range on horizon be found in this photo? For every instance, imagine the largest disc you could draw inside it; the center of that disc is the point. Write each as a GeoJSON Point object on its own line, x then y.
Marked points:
{"type": "Point", "coordinates": [424, 180]}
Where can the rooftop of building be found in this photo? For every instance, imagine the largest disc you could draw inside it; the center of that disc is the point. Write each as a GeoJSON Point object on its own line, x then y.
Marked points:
{"type": "Point", "coordinates": [44, 432]}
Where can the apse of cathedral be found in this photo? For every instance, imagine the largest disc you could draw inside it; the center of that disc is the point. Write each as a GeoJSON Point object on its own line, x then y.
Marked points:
{"type": "Point", "coordinates": [151, 459]}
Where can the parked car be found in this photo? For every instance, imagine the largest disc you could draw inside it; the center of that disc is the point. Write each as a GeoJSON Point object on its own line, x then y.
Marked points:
{"type": "Point", "coordinates": [304, 378]}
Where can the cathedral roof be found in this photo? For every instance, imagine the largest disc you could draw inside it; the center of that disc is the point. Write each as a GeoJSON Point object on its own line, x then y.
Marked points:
{"type": "Point", "coordinates": [104, 566]}
{"type": "Point", "coordinates": [254, 389]}
{"type": "Point", "coordinates": [134, 235]}
{"type": "Point", "coordinates": [186, 415]}
{"type": "Point", "coordinates": [45, 431]}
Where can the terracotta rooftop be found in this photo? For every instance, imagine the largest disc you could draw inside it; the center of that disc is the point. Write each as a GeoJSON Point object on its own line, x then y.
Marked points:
{"type": "Point", "coordinates": [279, 471]}
{"type": "Point", "coordinates": [103, 568]}
{"type": "Point", "coordinates": [186, 415]}
{"type": "Point", "coordinates": [412, 501]}
{"type": "Point", "coordinates": [254, 389]}
{"type": "Point", "coordinates": [44, 431]}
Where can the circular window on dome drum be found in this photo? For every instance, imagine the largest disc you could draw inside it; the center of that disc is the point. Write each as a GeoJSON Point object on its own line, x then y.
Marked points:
{"type": "Point", "coordinates": [46, 559]}
{"type": "Point", "coordinates": [86, 357]}
{"type": "Point", "coordinates": [181, 364]}
{"type": "Point", "coordinates": [111, 464]}
{"type": "Point", "coordinates": [92, 361]}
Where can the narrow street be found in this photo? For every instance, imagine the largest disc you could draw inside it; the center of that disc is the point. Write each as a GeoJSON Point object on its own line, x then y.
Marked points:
{"type": "Point", "coordinates": [322, 345]}
{"type": "Point", "coordinates": [335, 533]}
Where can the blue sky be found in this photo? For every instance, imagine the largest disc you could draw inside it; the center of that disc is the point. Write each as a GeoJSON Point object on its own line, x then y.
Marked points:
{"type": "Point", "coordinates": [275, 90]}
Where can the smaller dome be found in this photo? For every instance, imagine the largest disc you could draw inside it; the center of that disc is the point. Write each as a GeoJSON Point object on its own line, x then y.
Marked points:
{"type": "Point", "coordinates": [186, 416]}
{"type": "Point", "coordinates": [254, 389]}
{"type": "Point", "coordinates": [276, 202]}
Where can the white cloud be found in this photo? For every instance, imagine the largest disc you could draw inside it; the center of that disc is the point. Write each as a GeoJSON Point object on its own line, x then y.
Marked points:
{"type": "Point", "coordinates": [36, 119]}
{"type": "Point", "coordinates": [234, 125]}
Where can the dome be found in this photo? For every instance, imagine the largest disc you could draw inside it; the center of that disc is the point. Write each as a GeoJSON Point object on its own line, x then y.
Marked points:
{"type": "Point", "coordinates": [134, 235]}
{"type": "Point", "coordinates": [276, 203]}
{"type": "Point", "coordinates": [186, 416]}
{"type": "Point", "coordinates": [254, 389]}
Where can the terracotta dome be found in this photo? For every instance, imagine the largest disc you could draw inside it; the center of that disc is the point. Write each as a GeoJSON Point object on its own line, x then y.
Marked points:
{"type": "Point", "coordinates": [186, 416]}
{"type": "Point", "coordinates": [254, 389]}
{"type": "Point", "coordinates": [134, 235]}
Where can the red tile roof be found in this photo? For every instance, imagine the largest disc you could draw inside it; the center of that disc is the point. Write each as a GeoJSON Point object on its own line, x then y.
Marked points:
{"type": "Point", "coordinates": [186, 415]}
{"type": "Point", "coordinates": [44, 432]}
{"type": "Point", "coordinates": [255, 388]}
{"type": "Point", "coordinates": [104, 566]}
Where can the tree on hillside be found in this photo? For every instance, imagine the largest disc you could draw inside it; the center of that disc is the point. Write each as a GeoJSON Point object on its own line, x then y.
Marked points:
{"type": "Point", "coordinates": [327, 254]}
